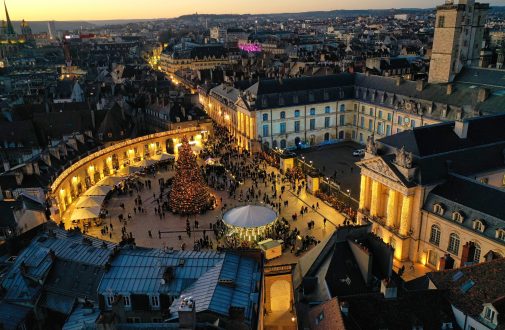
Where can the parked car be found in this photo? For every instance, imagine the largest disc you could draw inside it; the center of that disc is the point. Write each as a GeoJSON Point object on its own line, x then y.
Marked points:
{"type": "Point", "coordinates": [358, 153]}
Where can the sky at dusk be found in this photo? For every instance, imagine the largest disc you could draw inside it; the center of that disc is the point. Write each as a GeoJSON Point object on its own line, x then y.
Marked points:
{"type": "Point", "coordinates": [35, 10]}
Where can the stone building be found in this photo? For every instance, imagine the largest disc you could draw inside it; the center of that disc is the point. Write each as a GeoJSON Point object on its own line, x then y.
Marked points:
{"type": "Point", "coordinates": [433, 192]}
{"type": "Point", "coordinates": [459, 29]}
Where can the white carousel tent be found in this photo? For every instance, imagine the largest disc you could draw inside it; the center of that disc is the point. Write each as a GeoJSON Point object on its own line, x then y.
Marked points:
{"type": "Point", "coordinates": [250, 216]}
{"type": "Point", "coordinates": [250, 221]}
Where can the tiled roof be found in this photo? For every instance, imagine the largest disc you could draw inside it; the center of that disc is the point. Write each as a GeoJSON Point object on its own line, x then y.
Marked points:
{"type": "Point", "coordinates": [489, 284]}
{"type": "Point", "coordinates": [326, 316]}
{"type": "Point", "coordinates": [426, 309]}
{"type": "Point", "coordinates": [140, 270]}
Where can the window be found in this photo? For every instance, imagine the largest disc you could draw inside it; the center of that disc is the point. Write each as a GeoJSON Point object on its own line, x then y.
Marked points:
{"type": "Point", "coordinates": [110, 300]}
{"type": "Point", "coordinates": [380, 128]}
{"type": "Point", "coordinates": [283, 114]}
{"type": "Point", "coordinates": [155, 301]}
{"type": "Point", "coordinates": [441, 21]}
{"type": "Point", "coordinates": [265, 130]}
{"type": "Point", "coordinates": [388, 130]}
{"type": "Point", "coordinates": [319, 318]}
{"type": "Point", "coordinates": [362, 122]}
{"type": "Point", "coordinates": [361, 137]}
{"type": "Point", "coordinates": [265, 117]}
{"type": "Point", "coordinates": [390, 117]}
{"type": "Point", "coordinates": [342, 120]}
{"type": "Point", "coordinates": [371, 111]}
{"type": "Point", "coordinates": [312, 124]}
{"type": "Point", "coordinates": [297, 113]}
{"type": "Point", "coordinates": [457, 216]}
{"type": "Point", "coordinates": [354, 124]}
{"type": "Point", "coordinates": [355, 107]}
{"type": "Point", "coordinates": [297, 126]}
{"type": "Point", "coordinates": [476, 253]}
{"type": "Point", "coordinates": [489, 314]}
{"type": "Point", "coordinates": [327, 109]}
{"type": "Point", "coordinates": [327, 122]}
{"type": "Point", "coordinates": [342, 108]}
{"type": "Point", "coordinates": [370, 124]}
{"type": "Point", "coordinates": [478, 225]}
{"type": "Point", "coordinates": [400, 120]}
{"type": "Point", "coordinates": [312, 111]}
{"type": "Point", "coordinates": [282, 128]}
{"type": "Point", "coordinates": [127, 301]}
{"type": "Point", "coordinates": [380, 114]}
{"type": "Point", "coordinates": [283, 144]}
{"type": "Point", "coordinates": [453, 244]}
{"type": "Point", "coordinates": [435, 235]}
{"type": "Point", "coordinates": [500, 234]}
{"type": "Point", "coordinates": [363, 109]}
{"type": "Point", "coordinates": [412, 123]}
{"type": "Point", "coordinates": [438, 209]}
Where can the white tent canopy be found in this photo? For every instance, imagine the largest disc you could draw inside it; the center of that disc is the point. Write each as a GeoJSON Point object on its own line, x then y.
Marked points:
{"type": "Point", "coordinates": [89, 201]}
{"type": "Point", "coordinates": [86, 213]}
{"type": "Point", "coordinates": [130, 170]}
{"type": "Point", "coordinates": [109, 181]}
{"type": "Point", "coordinates": [145, 163]}
{"type": "Point", "coordinates": [250, 216]}
{"type": "Point", "coordinates": [163, 156]}
{"type": "Point", "coordinates": [98, 191]}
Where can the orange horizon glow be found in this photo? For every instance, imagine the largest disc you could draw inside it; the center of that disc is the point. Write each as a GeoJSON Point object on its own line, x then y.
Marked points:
{"type": "Point", "coordinates": [72, 10]}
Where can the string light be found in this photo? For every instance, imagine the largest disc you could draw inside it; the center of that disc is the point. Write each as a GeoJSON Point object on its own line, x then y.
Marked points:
{"type": "Point", "coordinates": [189, 194]}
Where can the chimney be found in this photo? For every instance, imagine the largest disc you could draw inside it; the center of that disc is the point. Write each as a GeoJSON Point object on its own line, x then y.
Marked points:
{"type": "Point", "coordinates": [388, 289]}
{"type": "Point", "coordinates": [420, 85]}
{"type": "Point", "coordinates": [36, 168]}
{"type": "Point", "coordinates": [449, 89]}
{"type": "Point", "coordinates": [344, 308]}
{"type": "Point", "coordinates": [461, 128]}
{"type": "Point", "coordinates": [19, 177]}
{"type": "Point", "coordinates": [7, 166]}
{"type": "Point", "coordinates": [482, 95]}
{"type": "Point", "coordinates": [187, 314]}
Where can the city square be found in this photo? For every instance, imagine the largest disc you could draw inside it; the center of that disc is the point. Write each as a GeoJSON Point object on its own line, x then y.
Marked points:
{"type": "Point", "coordinates": [255, 165]}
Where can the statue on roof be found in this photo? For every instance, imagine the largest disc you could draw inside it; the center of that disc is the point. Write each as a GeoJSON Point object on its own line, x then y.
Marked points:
{"type": "Point", "coordinates": [371, 145]}
{"type": "Point", "coordinates": [403, 158]}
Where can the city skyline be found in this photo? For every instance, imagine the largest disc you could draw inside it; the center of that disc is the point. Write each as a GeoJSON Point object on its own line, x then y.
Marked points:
{"type": "Point", "coordinates": [33, 10]}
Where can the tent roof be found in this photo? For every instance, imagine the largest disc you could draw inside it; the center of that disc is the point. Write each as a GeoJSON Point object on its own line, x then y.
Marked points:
{"type": "Point", "coordinates": [98, 191]}
{"type": "Point", "coordinates": [86, 213]}
{"type": "Point", "coordinates": [163, 156]}
{"type": "Point", "coordinates": [250, 216]}
{"type": "Point", "coordinates": [109, 181]}
{"type": "Point", "coordinates": [89, 201]}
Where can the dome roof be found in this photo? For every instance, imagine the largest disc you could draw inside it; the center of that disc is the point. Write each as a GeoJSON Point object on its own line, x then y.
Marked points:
{"type": "Point", "coordinates": [250, 216]}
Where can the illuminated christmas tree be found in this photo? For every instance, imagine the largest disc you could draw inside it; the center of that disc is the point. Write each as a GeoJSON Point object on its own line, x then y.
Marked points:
{"type": "Point", "coordinates": [189, 194]}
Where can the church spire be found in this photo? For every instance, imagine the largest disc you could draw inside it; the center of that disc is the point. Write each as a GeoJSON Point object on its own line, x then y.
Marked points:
{"type": "Point", "coordinates": [10, 29]}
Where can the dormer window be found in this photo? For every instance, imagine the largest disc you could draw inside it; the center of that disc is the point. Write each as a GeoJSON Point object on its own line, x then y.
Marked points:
{"type": "Point", "coordinates": [438, 209]}
{"type": "Point", "coordinates": [500, 234]}
{"type": "Point", "coordinates": [479, 225]}
{"type": "Point", "coordinates": [489, 314]}
{"type": "Point", "coordinates": [458, 216]}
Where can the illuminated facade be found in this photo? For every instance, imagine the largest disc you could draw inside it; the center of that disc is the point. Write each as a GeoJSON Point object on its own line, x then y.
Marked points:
{"type": "Point", "coordinates": [432, 193]}
{"type": "Point", "coordinates": [84, 173]}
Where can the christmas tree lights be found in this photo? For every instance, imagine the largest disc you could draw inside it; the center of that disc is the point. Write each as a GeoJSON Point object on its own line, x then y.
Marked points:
{"type": "Point", "coordinates": [189, 194]}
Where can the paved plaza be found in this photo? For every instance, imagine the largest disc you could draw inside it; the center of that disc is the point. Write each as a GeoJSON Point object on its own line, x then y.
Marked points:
{"type": "Point", "coordinates": [336, 161]}
{"type": "Point", "coordinates": [151, 231]}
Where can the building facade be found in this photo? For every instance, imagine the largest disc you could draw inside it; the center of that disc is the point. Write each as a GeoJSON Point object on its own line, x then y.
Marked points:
{"type": "Point", "coordinates": [428, 201]}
